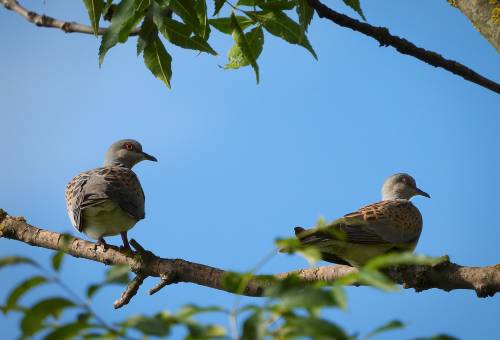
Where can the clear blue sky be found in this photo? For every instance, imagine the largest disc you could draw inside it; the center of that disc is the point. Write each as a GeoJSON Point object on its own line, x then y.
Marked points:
{"type": "Point", "coordinates": [241, 164]}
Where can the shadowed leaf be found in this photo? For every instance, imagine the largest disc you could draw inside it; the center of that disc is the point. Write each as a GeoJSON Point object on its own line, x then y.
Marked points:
{"type": "Point", "coordinates": [22, 289]}
{"type": "Point", "coordinates": [224, 24]}
{"type": "Point", "coordinates": [32, 321]}
{"type": "Point", "coordinates": [391, 325]}
{"type": "Point", "coordinates": [15, 260]}
{"type": "Point", "coordinates": [355, 5]}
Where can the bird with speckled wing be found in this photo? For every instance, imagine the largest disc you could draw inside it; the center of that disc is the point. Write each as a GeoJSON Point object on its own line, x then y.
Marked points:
{"type": "Point", "coordinates": [109, 200]}
{"type": "Point", "coordinates": [391, 225]}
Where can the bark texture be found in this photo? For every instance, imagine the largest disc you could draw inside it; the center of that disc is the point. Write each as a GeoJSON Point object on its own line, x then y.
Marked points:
{"type": "Point", "coordinates": [485, 281]}
{"type": "Point", "coordinates": [484, 15]}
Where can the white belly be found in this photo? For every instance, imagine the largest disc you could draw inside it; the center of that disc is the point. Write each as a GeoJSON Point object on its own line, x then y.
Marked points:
{"type": "Point", "coordinates": [106, 219]}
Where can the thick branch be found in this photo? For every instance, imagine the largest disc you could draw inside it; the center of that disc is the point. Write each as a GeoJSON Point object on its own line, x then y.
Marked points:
{"type": "Point", "coordinates": [446, 276]}
{"type": "Point", "coordinates": [382, 35]}
{"type": "Point", "coordinates": [43, 20]}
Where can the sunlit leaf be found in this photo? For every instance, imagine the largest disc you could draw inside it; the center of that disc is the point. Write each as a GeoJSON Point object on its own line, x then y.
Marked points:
{"type": "Point", "coordinates": [339, 295]}
{"type": "Point", "coordinates": [280, 25]}
{"type": "Point", "coordinates": [244, 52]}
{"type": "Point", "coordinates": [224, 24]}
{"type": "Point", "coordinates": [355, 5]}
{"type": "Point", "coordinates": [94, 8]}
{"type": "Point", "coordinates": [32, 321]}
{"type": "Point", "coordinates": [391, 325]}
{"type": "Point", "coordinates": [235, 282]}
{"type": "Point", "coordinates": [22, 289]}
{"type": "Point", "coordinates": [376, 279]}
{"type": "Point", "coordinates": [238, 57]}
{"type": "Point", "coordinates": [393, 259]}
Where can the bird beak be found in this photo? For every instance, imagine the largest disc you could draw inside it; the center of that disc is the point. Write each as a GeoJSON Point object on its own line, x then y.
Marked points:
{"type": "Point", "coordinates": [422, 193]}
{"type": "Point", "coordinates": [149, 157]}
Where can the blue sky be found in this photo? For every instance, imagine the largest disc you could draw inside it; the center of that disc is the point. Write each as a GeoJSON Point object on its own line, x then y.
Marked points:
{"type": "Point", "coordinates": [241, 164]}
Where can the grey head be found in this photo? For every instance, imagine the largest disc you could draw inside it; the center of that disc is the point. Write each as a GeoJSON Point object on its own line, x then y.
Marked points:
{"type": "Point", "coordinates": [126, 153]}
{"type": "Point", "coordinates": [401, 186]}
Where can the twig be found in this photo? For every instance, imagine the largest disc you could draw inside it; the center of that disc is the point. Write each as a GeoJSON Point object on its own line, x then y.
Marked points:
{"type": "Point", "coordinates": [130, 291]}
{"type": "Point", "coordinates": [382, 35]}
{"type": "Point", "coordinates": [43, 20]}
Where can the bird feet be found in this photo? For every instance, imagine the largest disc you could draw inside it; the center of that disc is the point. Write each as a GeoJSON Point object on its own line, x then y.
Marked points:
{"type": "Point", "coordinates": [101, 242]}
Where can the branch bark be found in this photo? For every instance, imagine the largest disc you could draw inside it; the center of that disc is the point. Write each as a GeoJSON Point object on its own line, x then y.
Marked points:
{"type": "Point", "coordinates": [446, 276]}
{"type": "Point", "coordinates": [484, 15]}
{"type": "Point", "coordinates": [403, 46]}
{"type": "Point", "coordinates": [43, 20]}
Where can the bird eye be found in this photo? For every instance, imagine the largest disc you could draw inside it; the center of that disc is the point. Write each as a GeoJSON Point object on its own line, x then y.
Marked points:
{"type": "Point", "coordinates": [129, 147]}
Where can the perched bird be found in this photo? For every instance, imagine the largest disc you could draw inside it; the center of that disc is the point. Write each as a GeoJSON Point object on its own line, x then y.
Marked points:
{"type": "Point", "coordinates": [109, 200]}
{"type": "Point", "coordinates": [393, 224]}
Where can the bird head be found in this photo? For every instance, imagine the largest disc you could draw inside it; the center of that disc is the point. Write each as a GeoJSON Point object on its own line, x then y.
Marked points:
{"type": "Point", "coordinates": [127, 153]}
{"type": "Point", "coordinates": [401, 186]}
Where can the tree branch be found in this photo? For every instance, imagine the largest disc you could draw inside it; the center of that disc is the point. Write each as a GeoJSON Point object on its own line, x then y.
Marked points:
{"type": "Point", "coordinates": [382, 35]}
{"type": "Point", "coordinates": [446, 276]}
{"type": "Point", "coordinates": [43, 20]}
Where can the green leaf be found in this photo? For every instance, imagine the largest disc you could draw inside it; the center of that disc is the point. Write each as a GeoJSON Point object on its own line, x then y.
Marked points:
{"type": "Point", "coordinates": [15, 260]}
{"type": "Point", "coordinates": [126, 17]}
{"type": "Point", "coordinates": [201, 13]}
{"type": "Point", "coordinates": [305, 13]}
{"type": "Point", "coordinates": [339, 295]}
{"type": "Point", "coordinates": [57, 260]}
{"type": "Point", "coordinates": [252, 3]}
{"type": "Point", "coordinates": [394, 259]}
{"type": "Point", "coordinates": [94, 8]}
{"type": "Point", "coordinates": [67, 331]}
{"type": "Point", "coordinates": [280, 25]}
{"type": "Point", "coordinates": [376, 279]}
{"type": "Point", "coordinates": [180, 34]}
{"type": "Point", "coordinates": [158, 61]}
{"type": "Point", "coordinates": [355, 5]}
{"type": "Point", "coordinates": [247, 47]}
{"type": "Point", "coordinates": [235, 282]}
{"type": "Point", "coordinates": [438, 337]}
{"type": "Point", "coordinates": [148, 30]}
{"type": "Point", "coordinates": [224, 24]}
{"type": "Point", "coordinates": [253, 327]}
{"type": "Point", "coordinates": [278, 5]}
{"type": "Point", "coordinates": [292, 245]}
{"type": "Point", "coordinates": [32, 321]}
{"type": "Point", "coordinates": [158, 325]}
{"type": "Point", "coordinates": [186, 10]}
{"type": "Point", "coordinates": [293, 293]}
{"type": "Point", "coordinates": [22, 289]}
{"type": "Point", "coordinates": [118, 274]}
{"type": "Point", "coordinates": [92, 289]}
{"type": "Point", "coordinates": [218, 6]}
{"type": "Point", "coordinates": [198, 331]}
{"type": "Point", "coordinates": [312, 327]}
{"type": "Point", "coordinates": [189, 310]}
{"type": "Point", "coordinates": [394, 324]}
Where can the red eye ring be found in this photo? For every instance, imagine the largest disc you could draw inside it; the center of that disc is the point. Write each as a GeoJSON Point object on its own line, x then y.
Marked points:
{"type": "Point", "coordinates": [129, 147]}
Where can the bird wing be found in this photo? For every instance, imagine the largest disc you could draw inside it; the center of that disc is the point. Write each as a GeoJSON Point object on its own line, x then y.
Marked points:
{"type": "Point", "coordinates": [115, 183]}
{"type": "Point", "coordinates": [385, 222]}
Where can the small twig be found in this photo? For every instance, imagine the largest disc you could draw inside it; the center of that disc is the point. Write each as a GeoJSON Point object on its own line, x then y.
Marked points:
{"type": "Point", "coordinates": [43, 20]}
{"type": "Point", "coordinates": [165, 280]}
{"type": "Point", "coordinates": [382, 35]}
{"type": "Point", "coordinates": [130, 291]}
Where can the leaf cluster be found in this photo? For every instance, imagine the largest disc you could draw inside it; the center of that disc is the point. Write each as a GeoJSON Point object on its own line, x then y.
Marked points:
{"type": "Point", "coordinates": [188, 24]}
